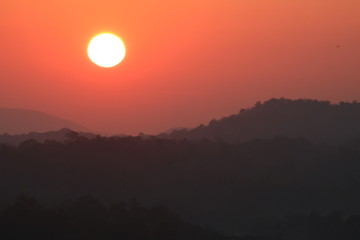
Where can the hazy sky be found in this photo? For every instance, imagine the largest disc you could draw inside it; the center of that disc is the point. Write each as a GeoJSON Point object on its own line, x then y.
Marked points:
{"type": "Point", "coordinates": [188, 61]}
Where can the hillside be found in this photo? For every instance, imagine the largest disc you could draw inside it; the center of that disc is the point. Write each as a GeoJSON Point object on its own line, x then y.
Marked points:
{"type": "Point", "coordinates": [319, 121]}
{"type": "Point", "coordinates": [19, 121]}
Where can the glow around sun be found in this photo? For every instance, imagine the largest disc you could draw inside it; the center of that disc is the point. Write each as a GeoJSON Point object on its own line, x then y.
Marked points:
{"type": "Point", "coordinates": [106, 50]}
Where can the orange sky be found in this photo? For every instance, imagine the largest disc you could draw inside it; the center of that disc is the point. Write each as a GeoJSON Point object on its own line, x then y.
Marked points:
{"type": "Point", "coordinates": [188, 61]}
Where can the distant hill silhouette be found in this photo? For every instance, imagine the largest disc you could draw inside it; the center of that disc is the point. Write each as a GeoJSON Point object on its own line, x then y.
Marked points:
{"type": "Point", "coordinates": [18, 121]}
{"type": "Point", "coordinates": [319, 121]}
{"type": "Point", "coordinates": [60, 136]}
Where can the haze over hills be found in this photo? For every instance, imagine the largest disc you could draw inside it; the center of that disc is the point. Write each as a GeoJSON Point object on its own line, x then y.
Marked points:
{"type": "Point", "coordinates": [319, 121]}
{"type": "Point", "coordinates": [19, 121]}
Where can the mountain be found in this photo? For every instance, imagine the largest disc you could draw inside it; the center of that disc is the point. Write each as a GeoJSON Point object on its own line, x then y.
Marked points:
{"type": "Point", "coordinates": [19, 121]}
{"type": "Point", "coordinates": [319, 121]}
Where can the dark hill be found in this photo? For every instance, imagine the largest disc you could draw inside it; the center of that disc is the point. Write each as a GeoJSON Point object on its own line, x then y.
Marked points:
{"type": "Point", "coordinates": [318, 121]}
{"type": "Point", "coordinates": [18, 121]}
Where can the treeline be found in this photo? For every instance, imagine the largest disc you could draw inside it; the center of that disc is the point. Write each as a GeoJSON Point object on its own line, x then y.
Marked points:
{"type": "Point", "coordinates": [244, 188]}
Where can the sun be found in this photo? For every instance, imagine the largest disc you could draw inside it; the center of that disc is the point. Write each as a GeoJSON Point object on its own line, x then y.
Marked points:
{"type": "Point", "coordinates": [106, 50]}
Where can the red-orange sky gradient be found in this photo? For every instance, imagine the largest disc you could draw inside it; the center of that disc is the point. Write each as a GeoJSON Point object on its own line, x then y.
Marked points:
{"type": "Point", "coordinates": [188, 61]}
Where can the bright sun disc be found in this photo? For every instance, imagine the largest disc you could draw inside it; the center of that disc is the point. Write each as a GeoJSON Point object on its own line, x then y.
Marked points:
{"type": "Point", "coordinates": [106, 50]}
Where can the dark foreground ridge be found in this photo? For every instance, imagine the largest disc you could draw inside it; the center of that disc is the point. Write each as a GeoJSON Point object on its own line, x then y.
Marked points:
{"type": "Point", "coordinates": [236, 188]}
{"type": "Point", "coordinates": [88, 219]}
{"type": "Point", "coordinates": [319, 121]}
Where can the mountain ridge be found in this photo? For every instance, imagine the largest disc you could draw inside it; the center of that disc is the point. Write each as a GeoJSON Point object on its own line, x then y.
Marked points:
{"type": "Point", "coordinates": [319, 121]}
